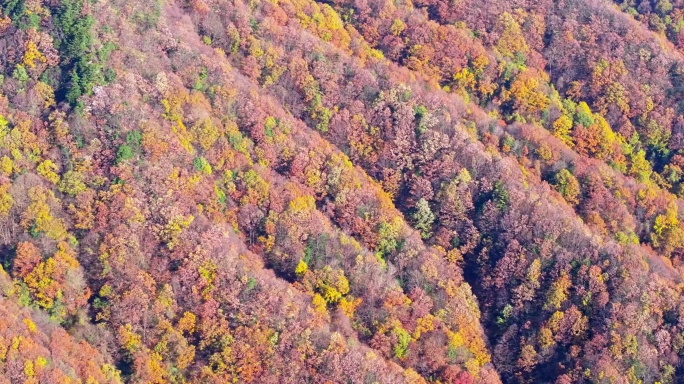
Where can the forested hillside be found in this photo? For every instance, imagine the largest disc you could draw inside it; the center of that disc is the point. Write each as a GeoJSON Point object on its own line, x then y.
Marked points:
{"type": "Point", "coordinates": [347, 191]}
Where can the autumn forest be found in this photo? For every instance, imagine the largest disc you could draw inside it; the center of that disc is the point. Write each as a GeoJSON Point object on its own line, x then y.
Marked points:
{"type": "Point", "coordinates": [342, 191]}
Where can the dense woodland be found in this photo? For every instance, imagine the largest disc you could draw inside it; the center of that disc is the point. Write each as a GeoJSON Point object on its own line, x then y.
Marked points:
{"type": "Point", "coordinates": [347, 191]}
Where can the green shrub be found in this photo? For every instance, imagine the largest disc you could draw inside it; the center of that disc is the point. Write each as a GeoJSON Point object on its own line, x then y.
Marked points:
{"type": "Point", "coordinates": [403, 340]}
{"type": "Point", "coordinates": [202, 165]}
{"type": "Point", "coordinates": [124, 153]}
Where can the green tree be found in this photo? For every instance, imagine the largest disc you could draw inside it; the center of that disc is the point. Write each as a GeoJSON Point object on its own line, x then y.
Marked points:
{"type": "Point", "coordinates": [124, 153]}
{"type": "Point", "coordinates": [584, 115]}
{"type": "Point", "coordinates": [500, 195]}
{"type": "Point", "coordinates": [423, 218]}
{"type": "Point", "coordinates": [663, 7]}
{"type": "Point", "coordinates": [403, 340]}
{"type": "Point", "coordinates": [74, 42]}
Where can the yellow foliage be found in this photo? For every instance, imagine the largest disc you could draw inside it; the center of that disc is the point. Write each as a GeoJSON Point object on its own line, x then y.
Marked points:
{"type": "Point", "coordinates": [342, 283]}
{"type": "Point", "coordinates": [332, 284]}
{"type": "Point", "coordinates": [607, 138]}
{"type": "Point", "coordinates": [257, 187]}
{"type": "Point", "coordinates": [666, 221]}
{"type": "Point", "coordinates": [555, 320]}
{"type": "Point", "coordinates": [301, 268]}
{"type": "Point", "coordinates": [106, 290]}
{"type": "Point", "coordinates": [465, 79]}
{"type": "Point", "coordinates": [562, 128]}
{"type": "Point", "coordinates": [274, 71]}
{"type": "Point", "coordinates": [413, 377]}
{"type": "Point", "coordinates": [38, 217]}
{"type": "Point", "coordinates": [478, 348]}
{"type": "Point", "coordinates": [319, 304]}
{"type": "Point", "coordinates": [173, 111]}
{"type": "Point", "coordinates": [21, 138]}
{"type": "Point", "coordinates": [526, 94]}
{"type": "Point", "coordinates": [349, 305]}
{"type": "Point", "coordinates": [47, 169]}
{"type": "Point", "coordinates": [47, 93]}
{"type": "Point", "coordinates": [154, 370]}
{"type": "Point", "coordinates": [558, 292]}
{"type": "Point", "coordinates": [187, 322]}
{"type": "Point", "coordinates": [511, 41]}
{"type": "Point", "coordinates": [41, 362]}
{"type": "Point", "coordinates": [206, 133]}
{"type": "Point", "coordinates": [3, 127]}
{"type": "Point", "coordinates": [207, 272]}
{"type": "Point", "coordinates": [202, 165]}
{"type": "Point", "coordinates": [534, 272]}
{"type": "Point", "coordinates": [130, 341]}
{"type": "Point", "coordinates": [3, 349]}
{"type": "Point", "coordinates": [455, 339]}
{"type": "Point", "coordinates": [376, 54]}
{"type": "Point", "coordinates": [239, 143]}
{"type": "Point", "coordinates": [72, 183]}
{"type": "Point", "coordinates": [546, 337]}
{"type": "Point", "coordinates": [186, 357]}
{"type": "Point", "coordinates": [473, 367]}
{"type": "Point", "coordinates": [6, 200]}
{"type": "Point", "coordinates": [111, 373]}
{"type": "Point", "coordinates": [545, 152]}
{"type": "Point", "coordinates": [480, 63]}
{"type": "Point", "coordinates": [255, 47]}
{"type": "Point", "coordinates": [615, 93]}
{"type": "Point", "coordinates": [173, 105]}
{"type": "Point", "coordinates": [301, 207]}
{"type": "Point", "coordinates": [424, 324]}
{"type": "Point", "coordinates": [267, 241]}
{"type": "Point", "coordinates": [16, 154]}
{"type": "Point", "coordinates": [6, 165]}
{"type": "Point", "coordinates": [30, 325]}
{"type": "Point", "coordinates": [31, 54]}
{"type": "Point", "coordinates": [667, 233]}
{"type": "Point", "coordinates": [330, 294]}
{"type": "Point", "coordinates": [16, 341]}
{"type": "Point", "coordinates": [44, 280]}
{"type": "Point", "coordinates": [397, 27]}
{"type": "Point", "coordinates": [28, 369]}
{"type": "Point", "coordinates": [454, 256]}
{"type": "Point", "coordinates": [171, 232]}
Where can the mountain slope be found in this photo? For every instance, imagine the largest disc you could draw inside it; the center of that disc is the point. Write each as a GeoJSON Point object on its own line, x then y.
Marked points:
{"type": "Point", "coordinates": [298, 191]}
